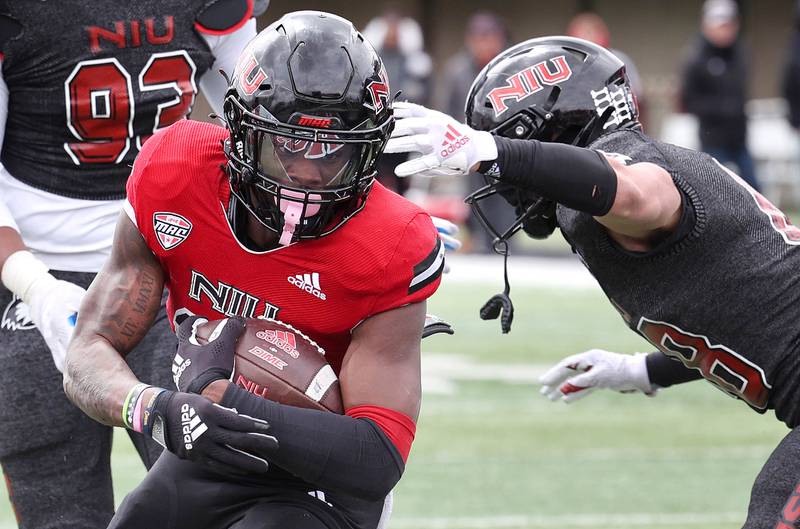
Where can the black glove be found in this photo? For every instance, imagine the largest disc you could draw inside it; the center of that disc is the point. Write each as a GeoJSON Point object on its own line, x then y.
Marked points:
{"type": "Point", "coordinates": [194, 428]}
{"type": "Point", "coordinates": [196, 366]}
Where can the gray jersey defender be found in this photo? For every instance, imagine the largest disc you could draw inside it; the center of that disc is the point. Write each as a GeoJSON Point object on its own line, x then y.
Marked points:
{"type": "Point", "coordinates": [721, 295]}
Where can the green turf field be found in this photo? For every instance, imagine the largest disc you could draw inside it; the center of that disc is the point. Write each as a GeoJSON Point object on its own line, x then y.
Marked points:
{"type": "Point", "coordinates": [492, 454]}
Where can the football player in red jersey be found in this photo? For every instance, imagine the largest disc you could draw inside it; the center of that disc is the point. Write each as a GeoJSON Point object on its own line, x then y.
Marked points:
{"type": "Point", "coordinates": [274, 217]}
{"type": "Point", "coordinates": [83, 85]}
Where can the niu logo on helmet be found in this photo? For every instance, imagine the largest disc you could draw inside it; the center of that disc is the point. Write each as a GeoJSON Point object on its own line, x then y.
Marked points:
{"type": "Point", "coordinates": [251, 75]}
{"type": "Point", "coordinates": [529, 81]}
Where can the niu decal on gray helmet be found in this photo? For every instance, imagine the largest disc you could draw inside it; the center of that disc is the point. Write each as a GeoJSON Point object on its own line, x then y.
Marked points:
{"type": "Point", "coordinates": [557, 89]}
{"type": "Point", "coordinates": [309, 112]}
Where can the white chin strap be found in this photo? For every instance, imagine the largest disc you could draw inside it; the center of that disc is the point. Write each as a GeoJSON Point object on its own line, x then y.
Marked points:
{"type": "Point", "coordinates": [293, 213]}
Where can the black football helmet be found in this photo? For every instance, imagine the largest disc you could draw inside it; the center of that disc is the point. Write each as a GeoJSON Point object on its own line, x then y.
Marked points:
{"type": "Point", "coordinates": [558, 89]}
{"type": "Point", "coordinates": [309, 112]}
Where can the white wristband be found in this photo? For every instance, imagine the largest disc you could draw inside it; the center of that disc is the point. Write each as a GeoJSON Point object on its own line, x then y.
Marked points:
{"type": "Point", "coordinates": [21, 271]}
{"type": "Point", "coordinates": [638, 367]}
{"type": "Point", "coordinates": [485, 146]}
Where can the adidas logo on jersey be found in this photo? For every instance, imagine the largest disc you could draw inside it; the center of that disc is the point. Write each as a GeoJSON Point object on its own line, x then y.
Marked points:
{"type": "Point", "coordinates": [308, 283]}
{"type": "Point", "coordinates": [453, 141]}
{"type": "Point", "coordinates": [193, 427]}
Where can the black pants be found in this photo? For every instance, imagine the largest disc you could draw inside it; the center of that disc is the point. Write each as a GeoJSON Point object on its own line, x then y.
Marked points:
{"type": "Point", "coordinates": [775, 499]}
{"type": "Point", "coordinates": [56, 460]}
{"type": "Point", "coordinates": [180, 494]}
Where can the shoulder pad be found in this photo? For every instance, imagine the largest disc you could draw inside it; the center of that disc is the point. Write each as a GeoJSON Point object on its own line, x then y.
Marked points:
{"type": "Point", "coordinates": [220, 17]}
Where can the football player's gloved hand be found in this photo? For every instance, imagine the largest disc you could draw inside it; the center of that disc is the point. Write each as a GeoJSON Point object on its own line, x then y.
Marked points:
{"type": "Point", "coordinates": [576, 376]}
{"type": "Point", "coordinates": [447, 147]}
{"type": "Point", "coordinates": [192, 427]}
{"type": "Point", "coordinates": [53, 304]}
{"type": "Point", "coordinates": [195, 366]}
{"type": "Point", "coordinates": [447, 233]}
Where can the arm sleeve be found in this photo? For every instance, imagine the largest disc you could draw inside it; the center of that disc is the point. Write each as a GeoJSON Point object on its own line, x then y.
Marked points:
{"type": "Point", "coordinates": [226, 50]}
{"type": "Point", "coordinates": [576, 177]}
{"type": "Point", "coordinates": [414, 271]}
{"type": "Point", "coordinates": [338, 452]}
{"type": "Point", "coordinates": [664, 372]}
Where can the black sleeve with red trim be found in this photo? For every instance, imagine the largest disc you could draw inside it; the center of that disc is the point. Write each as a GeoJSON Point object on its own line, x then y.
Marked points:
{"type": "Point", "coordinates": [415, 270]}
{"type": "Point", "coordinates": [221, 17]}
{"type": "Point", "coordinates": [664, 371]}
{"type": "Point", "coordinates": [352, 455]}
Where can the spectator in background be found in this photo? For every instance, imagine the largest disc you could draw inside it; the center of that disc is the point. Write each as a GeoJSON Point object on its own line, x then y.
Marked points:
{"type": "Point", "coordinates": [399, 42]}
{"type": "Point", "coordinates": [791, 77]}
{"type": "Point", "coordinates": [591, 26]}
{"type": "Point", "coordinates": [714, 88]}
{"type": "Point", "coordinates": [486, 35]}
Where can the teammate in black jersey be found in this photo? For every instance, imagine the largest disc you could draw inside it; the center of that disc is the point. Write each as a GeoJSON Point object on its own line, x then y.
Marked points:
{"type": "Point", "coordinates": [684, 249]}
{"type": "Point", "coordinates": [84, 84]}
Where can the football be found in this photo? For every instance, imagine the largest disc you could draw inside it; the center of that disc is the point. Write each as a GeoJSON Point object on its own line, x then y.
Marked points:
{"type": "Point", "coordinates": [277, 362]}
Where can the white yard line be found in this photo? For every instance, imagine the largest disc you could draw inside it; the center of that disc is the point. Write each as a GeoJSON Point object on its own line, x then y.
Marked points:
{"type": "Point", "coordinates": [513, 521]}
{"type": "Point", "coordinates": [567, 272]}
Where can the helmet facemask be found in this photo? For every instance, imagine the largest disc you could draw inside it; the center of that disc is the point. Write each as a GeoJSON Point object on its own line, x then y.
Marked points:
{"type": "Point", "coordinates": [299, 181]}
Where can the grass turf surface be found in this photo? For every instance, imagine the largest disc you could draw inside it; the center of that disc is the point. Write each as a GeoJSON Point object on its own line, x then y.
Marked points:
{"type": "Point", "coordinates": [491, 453]}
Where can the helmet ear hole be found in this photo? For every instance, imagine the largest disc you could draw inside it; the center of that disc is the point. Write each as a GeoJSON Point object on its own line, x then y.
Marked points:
{"type": "Point", "coordinates": [232, 114]}
{"type": "Point", "coordinates": [249, 176]}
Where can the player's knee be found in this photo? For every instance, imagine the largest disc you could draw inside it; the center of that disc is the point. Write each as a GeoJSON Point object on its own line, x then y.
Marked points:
{"type": "Point", "coordinates": [278, 516]}
{"type": "Point", "coordinates": [136, 510]}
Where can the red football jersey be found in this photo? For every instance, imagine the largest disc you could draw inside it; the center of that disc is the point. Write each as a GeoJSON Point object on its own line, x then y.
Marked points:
{"type": "Point", "coordinates": [386, 256]}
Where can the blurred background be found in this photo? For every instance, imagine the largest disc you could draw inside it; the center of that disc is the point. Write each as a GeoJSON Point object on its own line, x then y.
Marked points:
{"type": "Point", "coordinates": [490, 452]}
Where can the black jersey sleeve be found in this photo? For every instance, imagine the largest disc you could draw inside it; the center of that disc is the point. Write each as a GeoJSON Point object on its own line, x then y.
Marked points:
{"type": "Point", "coordinates": [221, 17]}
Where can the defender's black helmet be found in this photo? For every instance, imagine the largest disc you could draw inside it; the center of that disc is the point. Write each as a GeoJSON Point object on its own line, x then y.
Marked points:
{"type": "Point", "coordinates": [309, 112]}
{"type": "Point", "coordinates": [559, 89]}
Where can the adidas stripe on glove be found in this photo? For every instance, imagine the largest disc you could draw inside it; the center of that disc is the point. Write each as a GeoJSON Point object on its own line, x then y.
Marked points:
{"type": "Point", "coordinates": [446, 147]}
{"type": "Point", "coordinates": [194, 428]}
